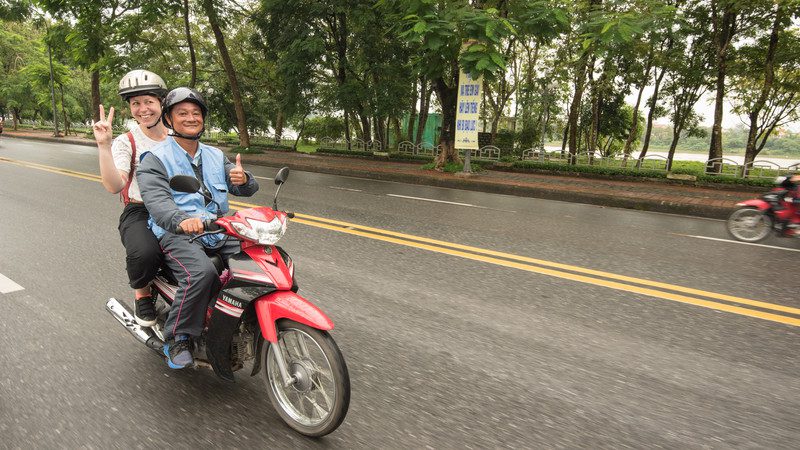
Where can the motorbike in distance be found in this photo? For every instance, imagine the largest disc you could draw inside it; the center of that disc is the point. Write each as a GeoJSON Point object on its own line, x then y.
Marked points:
{"type": "Point", "coordinates": [775, 212]}
{"type": "Point", "coordinates": [258, 317]}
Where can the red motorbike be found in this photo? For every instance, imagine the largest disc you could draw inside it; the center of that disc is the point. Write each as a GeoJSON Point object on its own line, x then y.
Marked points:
{"type": "Point", "coordinates": [258, 317]}
{"type": "Point", "coordinates": [774, 212]}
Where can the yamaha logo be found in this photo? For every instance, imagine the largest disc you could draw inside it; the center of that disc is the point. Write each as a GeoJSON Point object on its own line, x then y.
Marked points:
{"type": "Point", "coordinates": [230, 300]}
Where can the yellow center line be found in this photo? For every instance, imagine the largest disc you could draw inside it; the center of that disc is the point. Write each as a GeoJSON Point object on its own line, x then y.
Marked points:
{"type": "Point", "coordinates": [613, 276]}
{"type": "Point", "coordinates": [58, 170]}
{"type": "Point", "coordinates": [569, 276]}
{"type": "Point", "coordinates": [517, 262]}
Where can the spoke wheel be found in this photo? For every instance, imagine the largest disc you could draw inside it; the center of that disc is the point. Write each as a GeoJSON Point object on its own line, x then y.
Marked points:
{"type": "Point", "coordinates": [749, 224]}
{"type": "Point", "coordinates": [316, 402]}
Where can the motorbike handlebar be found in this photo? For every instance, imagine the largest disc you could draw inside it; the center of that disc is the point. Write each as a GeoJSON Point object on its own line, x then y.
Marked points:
{"type": "Point", "coordinates": [208, 225]}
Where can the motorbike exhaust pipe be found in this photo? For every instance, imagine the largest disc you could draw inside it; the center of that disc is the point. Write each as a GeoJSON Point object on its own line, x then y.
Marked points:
{"type": "Point", "coordinates": [144, 335]}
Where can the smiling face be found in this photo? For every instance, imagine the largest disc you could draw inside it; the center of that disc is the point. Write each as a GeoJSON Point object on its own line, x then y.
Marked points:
{"type": "Point", "coordinates": [146, 109]}
{"type": "Point", "coordinates": [186, 118]}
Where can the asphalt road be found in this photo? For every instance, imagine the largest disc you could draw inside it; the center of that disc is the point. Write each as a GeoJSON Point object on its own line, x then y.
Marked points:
{"type": "Point", "coordinates": [559, 325]}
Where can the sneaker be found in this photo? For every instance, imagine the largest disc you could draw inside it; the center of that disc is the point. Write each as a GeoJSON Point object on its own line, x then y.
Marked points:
{"type": "Point", "coordinates": [144, 311]}
{"type": "Point", "coordinates": [178, 352]}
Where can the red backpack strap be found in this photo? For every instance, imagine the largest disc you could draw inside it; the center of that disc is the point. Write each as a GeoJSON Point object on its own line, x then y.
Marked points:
{"type": "Point", "coordinates": [124, 194]}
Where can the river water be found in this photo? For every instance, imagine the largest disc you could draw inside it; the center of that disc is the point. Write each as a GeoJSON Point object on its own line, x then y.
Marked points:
{"type": "Point", "coordinates": [739, 159]}
{"type": "Point", "coordinates": [702, 157]}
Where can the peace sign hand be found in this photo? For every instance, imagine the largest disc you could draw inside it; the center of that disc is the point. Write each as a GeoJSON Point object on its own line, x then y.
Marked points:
{"type": "Point", "coordinates": [103, 133]}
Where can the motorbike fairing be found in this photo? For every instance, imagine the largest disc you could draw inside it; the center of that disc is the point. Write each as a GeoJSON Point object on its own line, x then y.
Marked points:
{"type": "Point", "coordinates": [288, 305]}
{"type": "Point", "coordinates": [756, 203]}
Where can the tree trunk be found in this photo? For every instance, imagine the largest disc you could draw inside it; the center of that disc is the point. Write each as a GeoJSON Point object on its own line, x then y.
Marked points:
{"type": "Point", "coordinates": [423, 112]}
{"type": "Point", "coordinates": [575, 106]}
{"type": "Point", "coordinates": [241, 119]}
{"type": "Point", "coordinates": [412, 116]}
{"type": "Point", "coordinates": [398, 135]}
{"type": "Point", "coordinates": [769, 78]}
{"type": "Point", "coordinates": [64, 111]}
{"type": "Point", "coordinates": [365, 125]}
{"type": "Point", "coordinates": [651, 113]}
{"type": "Point", "coordinates": [192, 56]}
{"type": "Point", "coordinates": [380, 134]}
{"type": "Point", "coordinates": [15, 117]}
{"type": "Point", "coordinates": [300, 133]}
{"type": "Point", "coordinates": [635, 122]}
{"type": "Point", "coordinates": [448, 96]}
{"type": "Point", "coordinates": [347, 135]}
{"type": "Point", "coordinates": [594, 127]}
{"type": "Point", "coordinates": [96, 95]}
{"type": "Point", "coordinates": [723, 36]}
{"type": "Point", "coordinates": [279, 122]}
{"type": "Point", "coordinates": [356, 127]}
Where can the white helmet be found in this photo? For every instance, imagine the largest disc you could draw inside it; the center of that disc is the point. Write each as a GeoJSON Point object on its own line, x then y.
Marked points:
{"type": "Point", "coordinates": [141, 82]}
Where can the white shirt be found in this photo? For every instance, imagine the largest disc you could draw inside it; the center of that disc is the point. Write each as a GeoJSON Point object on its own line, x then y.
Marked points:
{"type": "Point", "coordinates": [121, 152]}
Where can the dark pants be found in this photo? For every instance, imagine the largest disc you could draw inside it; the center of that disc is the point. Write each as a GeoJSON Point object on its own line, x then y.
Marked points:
{"type": "Point", "coordinates": [141, 246]}
{"type": "Point", "coordinates": [197, 281]}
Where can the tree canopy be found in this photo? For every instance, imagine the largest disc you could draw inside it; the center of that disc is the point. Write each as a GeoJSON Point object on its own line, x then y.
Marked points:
{"type": "Point", "coordinates": [592, 74]}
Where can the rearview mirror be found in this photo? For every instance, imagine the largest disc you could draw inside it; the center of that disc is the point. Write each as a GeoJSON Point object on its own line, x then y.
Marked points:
{"type": "Point", "coordinates": [184, 183]}
{"type": "Point", "coordinates": [282, 175]}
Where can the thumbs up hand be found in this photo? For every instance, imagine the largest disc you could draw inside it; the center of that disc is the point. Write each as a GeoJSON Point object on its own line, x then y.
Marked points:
{"type": "Point", "coordinates": [238, 177]}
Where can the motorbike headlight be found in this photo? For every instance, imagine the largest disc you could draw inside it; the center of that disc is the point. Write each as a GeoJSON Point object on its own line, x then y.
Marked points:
{"type": "Point", "coordinates": [265, 233]}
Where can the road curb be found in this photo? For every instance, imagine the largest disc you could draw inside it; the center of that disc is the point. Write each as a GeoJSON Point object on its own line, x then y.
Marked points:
{"type": "Point", "coordinates": [550, 193]}
{"type": "Point", "coordinates": [60, 140]}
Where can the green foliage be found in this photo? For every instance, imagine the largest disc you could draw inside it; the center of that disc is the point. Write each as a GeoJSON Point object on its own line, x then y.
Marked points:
{"type": "Point", "coordinates": [318, 128]}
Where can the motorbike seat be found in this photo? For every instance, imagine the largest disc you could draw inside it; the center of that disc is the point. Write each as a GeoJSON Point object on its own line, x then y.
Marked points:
{"type": "Point", "coordinates": [218, 263]}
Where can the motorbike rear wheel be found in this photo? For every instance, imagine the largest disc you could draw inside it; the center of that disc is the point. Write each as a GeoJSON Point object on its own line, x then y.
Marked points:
{"type": "Point", "coordinates": [316, 403]}
{"type": "Point", "coordinates": [749, 224]}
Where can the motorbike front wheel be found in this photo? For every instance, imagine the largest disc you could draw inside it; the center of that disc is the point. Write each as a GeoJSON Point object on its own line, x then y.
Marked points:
{"type": "Point", "coordinates": [316, 402]}
{"type": "Point", "coordinates": [749, 224]}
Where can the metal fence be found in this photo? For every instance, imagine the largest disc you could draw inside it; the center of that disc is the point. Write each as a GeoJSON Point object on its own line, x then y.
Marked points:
{"type": "Point", "coordinates": [657, 163]}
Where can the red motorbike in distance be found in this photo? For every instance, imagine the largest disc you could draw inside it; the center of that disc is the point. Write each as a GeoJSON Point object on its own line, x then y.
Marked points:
{"type": "Point", "coordinates": [258, 317]}
{"type": "Point", "coordinates": [773, 212]}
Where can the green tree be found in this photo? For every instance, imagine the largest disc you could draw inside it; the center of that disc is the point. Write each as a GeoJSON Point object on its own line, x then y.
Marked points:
{"type": "Point", "coordinates": [214, 20]}
{"type": "Point", "coordinates": [766, 79]}
{"type": "Point", "coordinates": [440, 29]}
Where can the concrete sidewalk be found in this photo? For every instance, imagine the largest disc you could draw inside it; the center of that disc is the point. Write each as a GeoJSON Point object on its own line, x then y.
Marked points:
{"type": "Point", "coordinates": [649, 195]}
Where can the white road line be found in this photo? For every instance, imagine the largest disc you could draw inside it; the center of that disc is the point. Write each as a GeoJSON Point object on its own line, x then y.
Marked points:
{"type": "Point", "coordinates": [263, 178]}
{"type": "Point", "coordinates": [345, 189]}
{"type": "Point", "coordinates": [6, 285]}
{"type": "Point", "coordinates": [738, 242]}
{"type": "Point", "coordinates": [437, 201]}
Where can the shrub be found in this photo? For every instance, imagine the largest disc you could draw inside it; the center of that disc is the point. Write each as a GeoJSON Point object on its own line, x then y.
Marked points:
{"type": "Point", "coordinates": [337, 151]}
{"type": "Point", "coordinates": [453, 167]}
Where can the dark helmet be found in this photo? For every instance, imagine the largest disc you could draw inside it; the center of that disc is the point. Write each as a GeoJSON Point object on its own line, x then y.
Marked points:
{"type": "Point", "coordinates": [141, 82]}
{"type": "Point", "coordinates": [180, 95]}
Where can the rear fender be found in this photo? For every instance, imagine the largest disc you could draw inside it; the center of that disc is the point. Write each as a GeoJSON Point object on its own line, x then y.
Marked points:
{"type": "Point", "coordinates": [287, 305]}
{"type": "Point", "coordinates": [755, 203]}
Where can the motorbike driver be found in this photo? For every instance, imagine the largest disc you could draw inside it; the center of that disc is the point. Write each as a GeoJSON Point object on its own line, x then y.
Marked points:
{"type": "Point", "coordinates": [143, 91]}
{"type": "Point", "coordinates": [182, 153]}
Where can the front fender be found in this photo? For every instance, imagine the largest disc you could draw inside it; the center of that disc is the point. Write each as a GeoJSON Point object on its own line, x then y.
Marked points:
{"type": "Point", "coordinates": [755, 203]}
{"type": "Point", "coordinates": [288, 305]}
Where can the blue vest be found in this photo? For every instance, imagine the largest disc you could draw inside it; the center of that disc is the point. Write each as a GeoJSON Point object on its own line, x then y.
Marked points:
{"type": "Point", "coordinates": [178, 162]}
